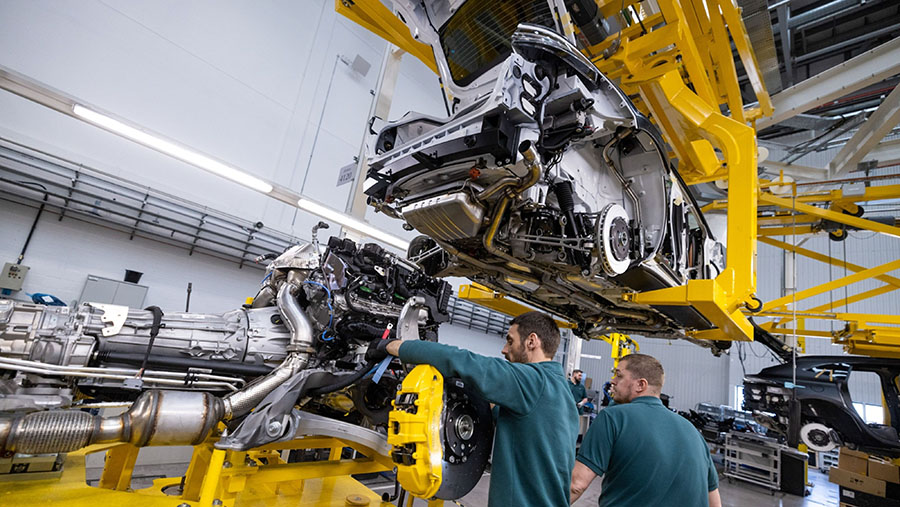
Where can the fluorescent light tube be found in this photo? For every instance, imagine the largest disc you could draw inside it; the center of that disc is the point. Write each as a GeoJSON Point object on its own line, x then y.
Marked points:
{"type": "Point", "coordinates": [351, 223]}
{"type": "Point", "coordinates": [171, 149]}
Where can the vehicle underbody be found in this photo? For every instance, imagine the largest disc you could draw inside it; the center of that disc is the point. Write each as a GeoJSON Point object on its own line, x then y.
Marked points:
{"type": "Point", "coordinates": [545, 183]}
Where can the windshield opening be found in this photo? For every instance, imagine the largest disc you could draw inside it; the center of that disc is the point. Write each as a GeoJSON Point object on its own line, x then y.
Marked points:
{"type": "Point", "coordinates": [477, 37]}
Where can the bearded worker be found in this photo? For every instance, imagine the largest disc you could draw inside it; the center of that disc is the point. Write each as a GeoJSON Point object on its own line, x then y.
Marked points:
{"type": "Point", "coordinates": [537, 423]}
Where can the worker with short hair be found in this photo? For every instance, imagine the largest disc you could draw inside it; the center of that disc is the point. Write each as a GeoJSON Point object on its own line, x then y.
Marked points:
{"type": "Point", "coordinates": [534, 442]}
{"type": "Point", "coordinates": [578, 390]}
{"type": "Point", "coordinates": [647, 454]}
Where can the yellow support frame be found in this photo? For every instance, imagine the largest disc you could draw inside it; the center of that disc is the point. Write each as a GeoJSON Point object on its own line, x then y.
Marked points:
{"type": "Point", "coordinates": [694, 127]}
{"type": "Point", "coordinates": [378, 19]}
{"type": "Point", "coordinates": [214, 477]}
{"type": "Point", "coordinates": [867, 334]}
{"type": "Point", "coordinates": [828, 214]}
{"type": "Point", "coordinates": [493, 300]}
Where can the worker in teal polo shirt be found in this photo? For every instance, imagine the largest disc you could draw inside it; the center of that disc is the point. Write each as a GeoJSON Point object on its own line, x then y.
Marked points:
{"type": "Point", "coordinates": [534, 443]}
{"type": "Point", "coordinates": [578, 390]}
{"type": "Point", "coordinates": [646, 454]}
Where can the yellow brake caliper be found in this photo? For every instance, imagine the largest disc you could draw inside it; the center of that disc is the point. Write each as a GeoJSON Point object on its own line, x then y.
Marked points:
{"type": "Point", "coordinates": [414, 431]}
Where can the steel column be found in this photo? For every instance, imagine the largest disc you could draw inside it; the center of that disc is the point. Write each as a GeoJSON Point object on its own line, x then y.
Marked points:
{"type": "Point", "coordinates": [868, 136]}
{"type": "Point", "coordinates": [870, 67]}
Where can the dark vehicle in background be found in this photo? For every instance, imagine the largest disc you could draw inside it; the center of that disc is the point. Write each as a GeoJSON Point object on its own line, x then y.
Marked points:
{"type": "Point", "coordinates": [715, 421]}
{"type": "Point", "coordinates": [828, 418]}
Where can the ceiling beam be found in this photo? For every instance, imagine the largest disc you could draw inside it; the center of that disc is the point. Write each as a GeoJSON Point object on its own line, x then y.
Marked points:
{"type": "Point", "coordinates": [799, 172]}
{"type": "Point", "coordinates": [784, 16]}
{"type": "Point", "coordinates": [886, 153]}
{"type": "Point", "coordinates": [868, 135]}
{"type": "Point", "coordinates": [815, 14]}
{"type": "Point", "coordinates": [870, 67]}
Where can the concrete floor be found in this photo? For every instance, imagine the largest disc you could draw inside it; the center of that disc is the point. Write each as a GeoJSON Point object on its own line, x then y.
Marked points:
{"type": "Point", "coordinates": [734, 494]}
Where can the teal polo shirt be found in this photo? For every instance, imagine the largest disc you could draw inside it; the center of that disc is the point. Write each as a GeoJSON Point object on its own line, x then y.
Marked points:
{"type": "Point", "coordinates": [579, 393]}
{"type": "Point", "coordinates": [537, 425]}
{"type": "Point", "coordinates": [648, 455]}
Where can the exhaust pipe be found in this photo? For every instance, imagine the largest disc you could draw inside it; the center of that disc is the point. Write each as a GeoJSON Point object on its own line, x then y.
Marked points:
{"type": "Point", "coordinates": [156, 418]}
{"type": "Point", "coordinates": [162, 417]}
{"type": "Point", "coordinates": [300, 348]}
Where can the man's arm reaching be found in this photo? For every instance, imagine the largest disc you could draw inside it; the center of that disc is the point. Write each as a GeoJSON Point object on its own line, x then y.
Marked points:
{"type": "Point", "coordinates": [515, 387]}
{"type": "Point", "coordinates": [582, 476]}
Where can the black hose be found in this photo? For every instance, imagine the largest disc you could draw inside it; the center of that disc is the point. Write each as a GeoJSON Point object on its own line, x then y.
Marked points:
{"type": "Point", "coordinates": [564, 195]}
{"type": "Point", "coordinates": [362, 330]}
{"type": "Point", "coordinates": [154, 330]}
{"type": "Point", "coordinates": [217, 366]}
{"type": "Point", "coordinates": [36, 218]}
{"type": "Point", "coordinates": [345, 380]}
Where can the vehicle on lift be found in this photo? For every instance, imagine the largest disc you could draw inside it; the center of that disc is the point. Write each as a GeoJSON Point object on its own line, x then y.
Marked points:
{"type": "Point", "coordinates": [828, 418]}
{"type": "Point", "coordinates": [301, 344]}
{"type": "Point", "coordinates": [545, 182]}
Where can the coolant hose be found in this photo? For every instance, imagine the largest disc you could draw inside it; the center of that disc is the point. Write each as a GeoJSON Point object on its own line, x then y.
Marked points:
{"type": "Point", "coordinates": [345, 380]}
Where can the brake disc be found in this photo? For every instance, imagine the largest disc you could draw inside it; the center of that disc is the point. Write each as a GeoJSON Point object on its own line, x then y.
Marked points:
{"type": "Point", "coordinates": [615, 239]}
{"type": "Point", "coordinates": [441, 433]}
{"type": "Point", "coordinates": [819, 437]}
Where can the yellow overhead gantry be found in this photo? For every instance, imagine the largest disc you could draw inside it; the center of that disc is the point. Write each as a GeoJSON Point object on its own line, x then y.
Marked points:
{"type": "Point", "coordinates": [797, 213]}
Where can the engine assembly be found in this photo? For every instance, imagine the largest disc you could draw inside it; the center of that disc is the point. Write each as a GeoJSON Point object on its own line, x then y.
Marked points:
{"type": "Point", "coordinates": [301, 343]}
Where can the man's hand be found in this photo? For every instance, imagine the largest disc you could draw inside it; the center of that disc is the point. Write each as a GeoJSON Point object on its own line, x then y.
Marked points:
{"type": "Point", "coordinates": [378, 350]}
{"type": "Point", "coordinates": [393, 348]}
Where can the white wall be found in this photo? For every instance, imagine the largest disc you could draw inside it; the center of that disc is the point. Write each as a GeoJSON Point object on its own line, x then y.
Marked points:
{"type": "Point", "coordinates": [247, 83]}
{"type": "Point", "coordinates": [63, 253]}
{"type": "Point", "coordinates": [469, 339]}
{"type": "Point", "coordinates": [693, 374]}
{"type": "Point", "coordinates": [244, 82]}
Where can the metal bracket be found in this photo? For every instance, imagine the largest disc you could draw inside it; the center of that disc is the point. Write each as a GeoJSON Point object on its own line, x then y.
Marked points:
{"type": "Point", "coordinates": [412, 314]}
{"type": "Point", "coordinates": [114, 315]}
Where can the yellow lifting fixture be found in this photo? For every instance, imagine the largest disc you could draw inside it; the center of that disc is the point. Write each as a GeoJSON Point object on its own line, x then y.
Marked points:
{"type": "Point", "coordinates": [689, 43]}
{"type": "Point", "coordinates": [622, 345]}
